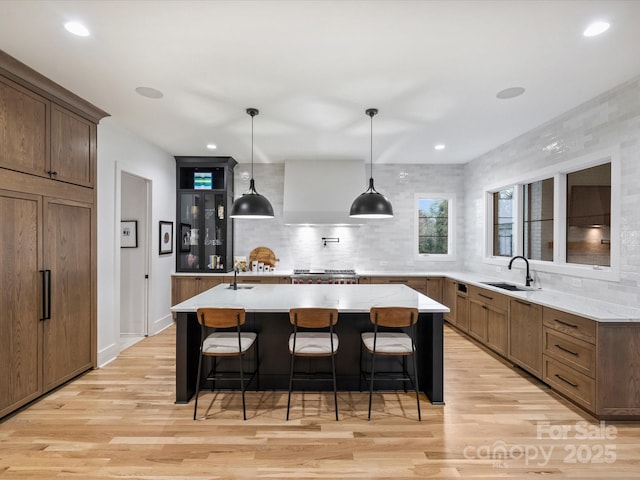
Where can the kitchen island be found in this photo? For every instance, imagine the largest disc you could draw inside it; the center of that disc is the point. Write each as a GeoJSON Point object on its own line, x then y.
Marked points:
{"type": "Point", "coordinates": [267, 307]}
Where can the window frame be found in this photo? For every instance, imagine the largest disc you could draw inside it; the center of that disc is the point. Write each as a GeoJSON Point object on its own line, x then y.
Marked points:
{"type": "Point", "coordinates": [559, 173]}
{"type": "Point", "coordinates": [514, 219]}
{"type": "Point", "coordinates": [451, 227]}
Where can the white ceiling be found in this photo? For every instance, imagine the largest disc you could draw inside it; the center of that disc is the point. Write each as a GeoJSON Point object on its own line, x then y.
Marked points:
{"type": "Point", "coordinates": [432, 68]}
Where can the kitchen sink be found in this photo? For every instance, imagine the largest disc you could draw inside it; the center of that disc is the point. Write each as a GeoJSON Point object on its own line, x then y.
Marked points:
{"type": "Point", "coordinates": [240, 287]}
{"type": "Point", "coordinates": [506, 286]}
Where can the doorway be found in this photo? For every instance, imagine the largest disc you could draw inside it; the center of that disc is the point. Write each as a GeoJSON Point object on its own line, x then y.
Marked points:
{"type": "Point", "coordinates": [134, 259]}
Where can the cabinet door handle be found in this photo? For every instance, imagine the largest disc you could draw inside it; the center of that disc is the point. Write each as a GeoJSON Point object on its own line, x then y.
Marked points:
{"type": "Point", "coordinates": [484, 307]}
{"type": "Point", "coordinates": [52, 173]}
{"type": "Point", "coordinates": [566, 324]}
{"type": "Point", "coordinates": [564, 349]}
{"type": "Point", "coordinates": [46, 294]}
{"type": "Point", "coordinates": [526, 304]}
{"type": "Point", "coordinates": [575, 385]}
{"type": "Point", "coordinates": [485, 296]}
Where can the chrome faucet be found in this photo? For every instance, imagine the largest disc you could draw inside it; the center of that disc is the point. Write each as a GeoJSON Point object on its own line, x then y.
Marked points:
{"type": "Point", "coordinates": [528, 278]}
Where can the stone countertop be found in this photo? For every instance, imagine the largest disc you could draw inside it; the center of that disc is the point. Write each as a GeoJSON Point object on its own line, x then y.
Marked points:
{"type": "Point", "coordinates": [282, 297]}
{"type": "Point", "coordinates": [278, 273]}
{"type": "Point", "coordinates": [597, 310]}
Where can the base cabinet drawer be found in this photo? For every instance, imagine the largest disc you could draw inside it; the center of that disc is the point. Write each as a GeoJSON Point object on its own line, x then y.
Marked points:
{"type": "Point", "coordinates": [579, 327]}
{"type": "Point", "coordinates": [573, 384]}
{"type": "Point", "coordinates": [573, 352]}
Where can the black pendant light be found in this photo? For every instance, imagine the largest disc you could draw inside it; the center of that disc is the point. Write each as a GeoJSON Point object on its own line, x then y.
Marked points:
{"type": "Point", "coordinates": [371, 204]}
{"type": "Point", "coordinates": [251, 204]}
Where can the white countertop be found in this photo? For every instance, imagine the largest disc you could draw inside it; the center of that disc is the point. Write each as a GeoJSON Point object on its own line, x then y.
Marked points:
{"type": "Point", "coordinates": [212, 273]}
{"type": "Point", "coordinates": [597, 310]}
{"type": "Point", "coordinates": [282, 297]}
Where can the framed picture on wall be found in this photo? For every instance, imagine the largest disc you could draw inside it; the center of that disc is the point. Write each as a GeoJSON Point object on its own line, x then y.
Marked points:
{"type": "Point", "coordinates": [129, 234]}
{"type": "Point", "coordinates": [166, 238]}
{"type": "Point", "coordinates": [185, 237]}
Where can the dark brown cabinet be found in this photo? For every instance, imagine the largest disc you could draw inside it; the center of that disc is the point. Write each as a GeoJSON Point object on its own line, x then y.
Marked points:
{"type": "Point", "coordinates": [184, 287]}
{"type": "Point", "coordinates": [68, 233]}
{"type": "Point", "coordinates": [525, 335]}
{"type": "Point", "coordinates": [488, 318]}
{"type": "Point", "coordinates": [449, 289]}
{"type": "Point", "coordinates": [462, 307]}
{"type": "Point", "coordinates": [48, 256]}
{"type": "Point", "coordinates": [42, 138]}
{"type": "Point", "coordinates": [417, 283]}
{"type": "Point", "coordinates": [20, 325]}
{"type": "Point", "coordinates": [434, 288]}
{"type": "Point", "coordinates": [24, 140]}
{"type": "Point", "coordinates": [73, 148]}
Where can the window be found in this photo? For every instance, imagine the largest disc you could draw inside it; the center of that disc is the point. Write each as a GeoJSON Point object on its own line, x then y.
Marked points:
{"type": "Point", "coordinates": [434, 225]}
{"type": "Point", "coordinates": [565, 218]}
{"type": "Point", "coordinates": [589, 216]}
{"type": "Point", "coordinates": [538, 220]}
{"type": "Point", "coordinates": [503, 223]}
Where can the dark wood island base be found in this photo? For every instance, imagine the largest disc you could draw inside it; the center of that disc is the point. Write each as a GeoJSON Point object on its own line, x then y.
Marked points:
{"type": "Point", "coordinates": [273, 332]}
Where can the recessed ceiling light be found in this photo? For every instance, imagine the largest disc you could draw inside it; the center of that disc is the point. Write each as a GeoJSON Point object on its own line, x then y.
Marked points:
{"type": "Point", "coordinates": [596, 28]}
{"type": "Point", "coordinates": [510, 93]}
{"type": "Point", "coordinates": [149, 92]}
{"type": "Point", "coordinates": [439, 146]}
{"type": "Point", "coordinates": [77, 29]}
{"type": "Point", "coordinates": [211, 146]}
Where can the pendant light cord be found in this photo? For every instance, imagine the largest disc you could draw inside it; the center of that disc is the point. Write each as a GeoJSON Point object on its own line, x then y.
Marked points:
{"type": "Point", "coordinates": [252, 112]}
{"type": "Point", "coordinates": [371, 146]}
{"type": "Point", "coordinates": [251, 146]}
{"type": "Point", "coordinates": [371, 112]}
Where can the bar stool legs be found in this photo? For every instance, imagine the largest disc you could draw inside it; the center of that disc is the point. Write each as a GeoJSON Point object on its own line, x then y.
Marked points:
{"type": "Point", "coordinates": [390, 343]}
{"type": "Point", "coordinates": [313, 341]}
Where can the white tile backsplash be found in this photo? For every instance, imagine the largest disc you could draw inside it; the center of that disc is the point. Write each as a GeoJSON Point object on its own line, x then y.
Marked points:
{"type": "Point", "coordinates": [386, 244]}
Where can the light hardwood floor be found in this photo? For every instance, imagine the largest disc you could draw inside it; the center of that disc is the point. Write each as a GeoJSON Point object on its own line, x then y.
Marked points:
{"type": "Point", "coordinates": [120, 422]}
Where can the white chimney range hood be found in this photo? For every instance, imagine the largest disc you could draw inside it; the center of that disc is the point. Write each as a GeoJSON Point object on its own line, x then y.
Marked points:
{"type": "Point", "coordinates": [321, 192]}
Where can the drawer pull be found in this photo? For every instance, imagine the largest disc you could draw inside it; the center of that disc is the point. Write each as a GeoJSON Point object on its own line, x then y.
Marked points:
{"type": "Point", "coordinates": [566, 324]}
{"type": "Point", "coordinates": [574, 385]}
{"type": "Point", "coordinates": [484, 307]}
{"type": "Point", "coordinates": [397, 281]}
{"type": "Point", "coordinates": [564, 349]}
{"type": "Point", "coordinates": [485, 296]}
{"type": "Point", "coordinates": [526, 304]}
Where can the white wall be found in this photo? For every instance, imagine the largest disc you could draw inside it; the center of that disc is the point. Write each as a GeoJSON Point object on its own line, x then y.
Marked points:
{"type": "Point", "coordinates": [608, 122]}
{"type": "Point", "coordinates": [382, 245]}
{"type": "Point", "coordinates": [119, 150]}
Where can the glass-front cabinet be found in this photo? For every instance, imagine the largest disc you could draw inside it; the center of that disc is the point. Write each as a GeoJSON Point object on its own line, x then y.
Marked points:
{"type": "Point", "coordinates": [204, 240]}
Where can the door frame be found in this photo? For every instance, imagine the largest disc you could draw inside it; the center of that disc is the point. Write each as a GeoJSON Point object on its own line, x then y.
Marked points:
{"type": "Point", "coordinates": [146, 247]}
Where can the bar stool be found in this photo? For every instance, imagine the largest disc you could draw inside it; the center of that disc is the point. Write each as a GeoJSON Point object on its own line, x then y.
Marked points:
{"type": "Point", "coordinates": [230, 343]}
{"type": "Point", "coordinates": [391, 343]}
{"type": "Point", "coordinates": [313, 343]}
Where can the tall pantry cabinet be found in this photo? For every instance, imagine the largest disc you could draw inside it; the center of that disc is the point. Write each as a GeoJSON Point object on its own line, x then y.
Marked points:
{"type": "Point", "coordinates": [47, 235]}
